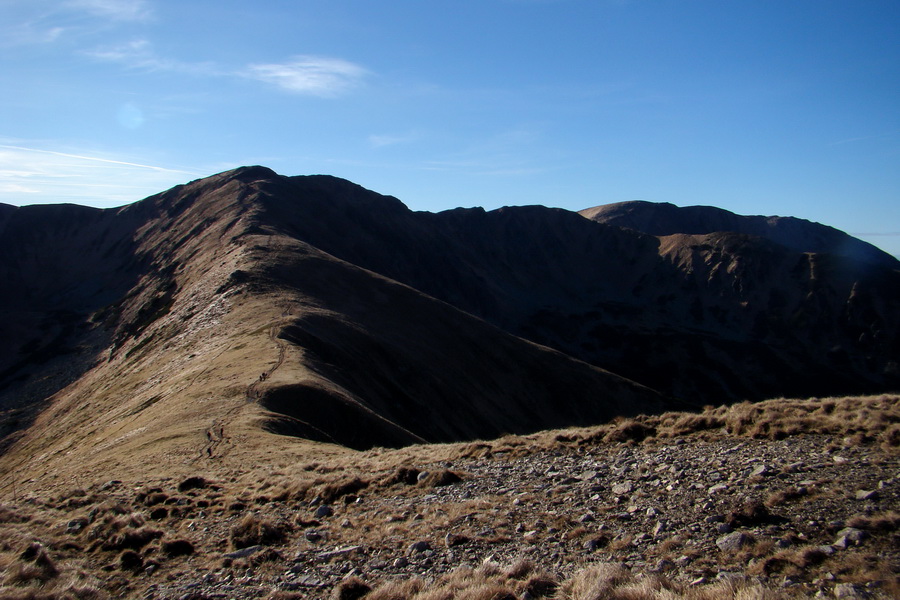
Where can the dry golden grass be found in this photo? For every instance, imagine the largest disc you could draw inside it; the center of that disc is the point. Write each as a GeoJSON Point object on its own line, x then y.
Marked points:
{"type": "Point", "coordinates": [253, 530]}
{"type": "Point", "coordinates": [880, 522]}
{"type": "Point", "coordinates": [272, 505]}
{"type": "Point", "coordinates": [871, 420]}
{"type": "Point", "coordinates": [601, 581]}
{"type": "Point", "coordinates": [32, 574]}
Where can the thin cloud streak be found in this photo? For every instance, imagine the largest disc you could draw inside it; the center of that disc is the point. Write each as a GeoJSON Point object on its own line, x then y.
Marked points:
{"type": "Point", "coordinates": [96, 159]}
{"type": "Point", "coordinates": [310, 75]}
{"type": "Point", "coordinates": [117, 10]}
{"type": "Point", "coordinates": [139, 54]}
{"type": "Point", "coordinates": [29, 34]}
{"type": "Point", "coordinates": [381, 141]}
{"type": "Point", "coordinates": [37, 176]}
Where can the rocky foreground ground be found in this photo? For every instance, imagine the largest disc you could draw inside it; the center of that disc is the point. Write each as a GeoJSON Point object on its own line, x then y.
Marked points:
{"type": "Point", "coordinates": [718, 505]}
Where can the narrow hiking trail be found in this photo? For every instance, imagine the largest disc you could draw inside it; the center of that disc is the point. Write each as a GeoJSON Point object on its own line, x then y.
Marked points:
{"type": "Point", "coordinates": [217, 439]}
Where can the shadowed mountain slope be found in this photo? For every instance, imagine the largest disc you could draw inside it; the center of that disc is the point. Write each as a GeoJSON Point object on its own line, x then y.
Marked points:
{"type": "Point", "coordinates": [705, 318]}
{"type": "Point", "coordinates": [662, 218]}
{"type": "Point", "coordinates": [188, 325]}
{"type": "Point", "coordinates": [185, 326]}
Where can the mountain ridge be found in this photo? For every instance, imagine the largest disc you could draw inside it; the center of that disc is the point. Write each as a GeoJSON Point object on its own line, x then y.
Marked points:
{"type": "Point", "coordinates": [193, 322]}
{"type": "Point", "coordinates": [663, 218]}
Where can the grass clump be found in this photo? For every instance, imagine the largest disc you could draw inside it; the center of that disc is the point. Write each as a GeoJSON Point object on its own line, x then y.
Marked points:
{"type": "Point", "coordinates": [255, 531]}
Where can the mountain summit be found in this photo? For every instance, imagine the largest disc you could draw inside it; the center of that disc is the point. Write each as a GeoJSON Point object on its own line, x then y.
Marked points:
{"type": "Point", "coordinates": [252, 308]}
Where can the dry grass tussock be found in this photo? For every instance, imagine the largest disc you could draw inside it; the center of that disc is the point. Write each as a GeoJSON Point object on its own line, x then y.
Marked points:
{"type": "Point", "coordinates": [32, 574]}
{"type": "Point", "coordinates": [870, 420]}
{"type": "Point", "coordinates": [602, 581]}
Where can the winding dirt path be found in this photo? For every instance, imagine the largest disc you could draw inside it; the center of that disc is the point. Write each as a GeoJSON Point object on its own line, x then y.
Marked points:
{"type": "Point", "coordinates": [216, 438]}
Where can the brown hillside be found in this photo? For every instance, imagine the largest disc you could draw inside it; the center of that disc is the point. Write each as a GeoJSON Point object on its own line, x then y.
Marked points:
{"type": "Point", "coordinates": [202, 322]}
{"type": "Point", "coordinates": [194, 327]}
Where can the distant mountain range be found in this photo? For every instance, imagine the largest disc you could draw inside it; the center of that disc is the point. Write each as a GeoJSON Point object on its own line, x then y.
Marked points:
{"type": "Point", "coordinates": [312, 307]}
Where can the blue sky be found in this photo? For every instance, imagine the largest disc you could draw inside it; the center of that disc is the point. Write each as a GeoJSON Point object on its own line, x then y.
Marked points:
{"type": "Point", "coordinates": [787, 107]}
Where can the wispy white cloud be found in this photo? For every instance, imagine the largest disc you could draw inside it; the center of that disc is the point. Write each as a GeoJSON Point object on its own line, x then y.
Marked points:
{"type": "Point", "coordinates": [383, 140]}
{"type": "Point", "coordinates": [30, 33]}
{"type": "Point", "coordinates": [310, 75]}
{"type": "Point", "coordinates": [140, 54]}
{"type": "Point", "coordinates": [31, 175]}
{"type": "Point", "coordinates": [116, 10]}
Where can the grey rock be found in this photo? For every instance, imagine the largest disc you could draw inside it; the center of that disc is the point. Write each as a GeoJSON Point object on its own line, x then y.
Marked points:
{"type": "Point", "coordinates": [324, 511]}
{"type": "Point", "coordinates": [593, 545]}
{"type": "Point", "coordinates": [309, 581]}
{"type": "Point", "coordinates": [660, 527]}
{"type": "Point", "coordinates": [849, 590]}
{"type": "Point", "coordinates": [850, 536]}
{"type": "Point", "coordinates": [76, 525]}
{"type": "Point", "coordinates": [866, 494]}
{"type": "Point", "coordinates": [761, 471]}
{"type": "Point", "coordinates": [313, 535]}
{"type": "Point", "coordinates": [663, 565]}
{"type": "Point", "coordinates": [620, 489]}
{"type": "Point", "coordinates": [420, 546]}
{"type": "Point", "coordinates": [338, 552]}
{"type": "Point", "coordinates": [244, 552]}
{"type": "Point", "coordinates": [733, 541]}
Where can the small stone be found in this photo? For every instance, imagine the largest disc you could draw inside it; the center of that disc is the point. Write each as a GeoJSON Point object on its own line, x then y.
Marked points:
{"type": "Point", "coordinates": [594, 544]}
{"type": "Point", "coordinates": [338, 552]}
{"type": "Point", "coordinates": [244, 552]}
{"type": "Point", "coordinates": [620, 489]}
{"type": "Point", "coordinates": [324, 511]}
{"type": "Point", "coordinates": [659, 528]}
{"type": "Point", "coordinates": [663, 565]}
{"type": "Point", "coordinates": [420, 546]}
{"type": "Point", "coordinates": [401, 562]}
{"type": "Point", "coordinates": [586, 518]}
{"type": "Point", "coordinates": [313, 536]}
{"type": "Point", "coordinates": [76, 525]}
{"type": "Point", "coordinates": [866, 494]}
{"type": "Point", "coordinates": [723, 528]}
{"type": "Point", "coordinates": [453, 539]}
{"type": "Point", "coordinates": [761, 471]}
{"type": "Point", "coordinates": [847, 590]}
{"type": "Point", "coordinates": [719, 487]}
{"type": "Point", "coordinates": [733, 541]}
{"type": "Point", "coordinates": [850, 536]}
